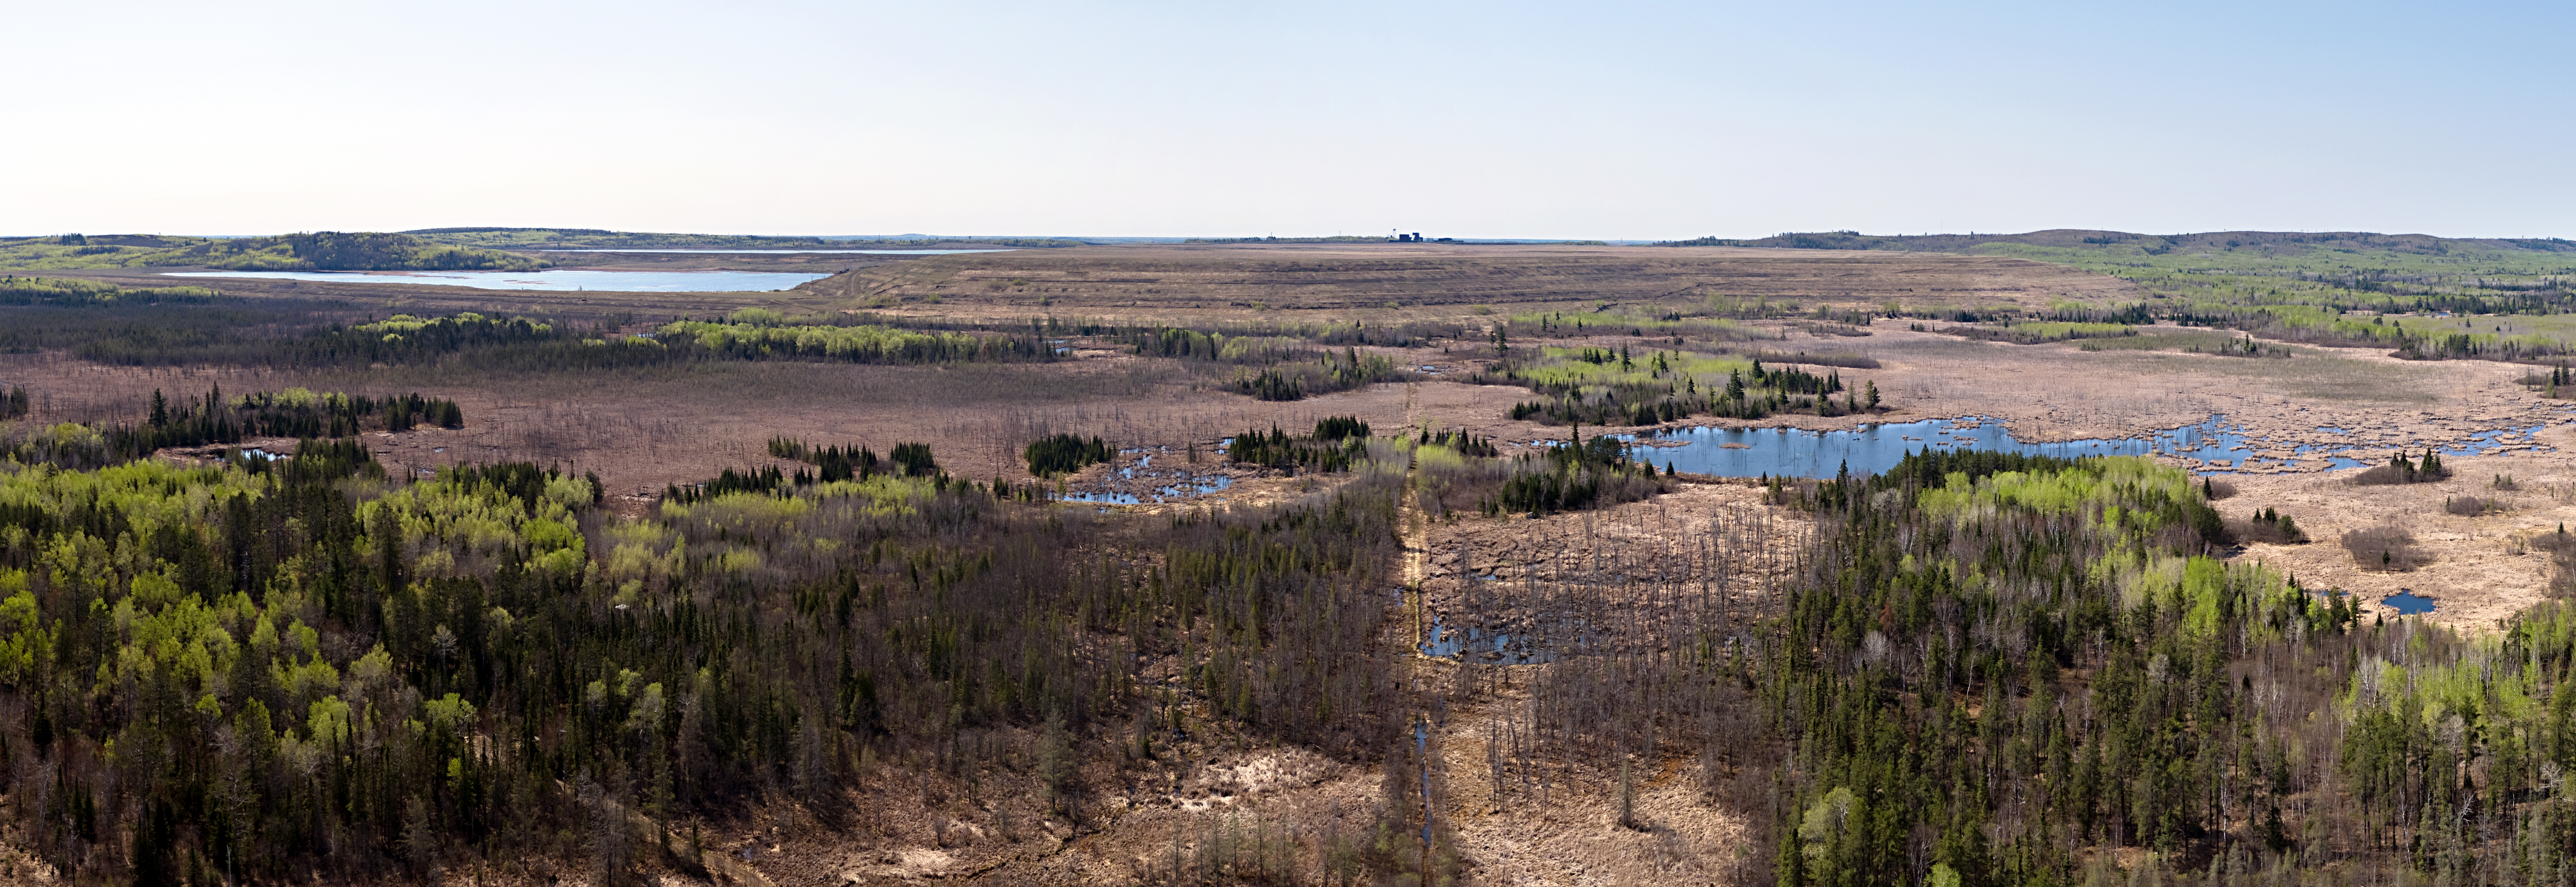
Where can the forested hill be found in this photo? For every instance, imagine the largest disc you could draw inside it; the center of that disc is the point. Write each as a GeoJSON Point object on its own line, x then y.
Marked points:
{"type": "Point", "coordinates": [2125, 243]}
{"type": "Point", "coordinates": [2322, 288]}
{"type": "Point", "coordinates": [307, 251]}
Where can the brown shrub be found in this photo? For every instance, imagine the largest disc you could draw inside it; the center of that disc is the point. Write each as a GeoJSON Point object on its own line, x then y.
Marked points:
{"type": "Point", "coordinates": [2561, 547]}
{"type": "Point", "coordinates": [2404, 471]}
{"type": "Point", "coordinates": [2214, 489]}
{"type": "Point", "coordinates": [2267, 525]}
{"type": "Point", "coordinates": [2470, 506]}
{"type": "Point", "coordinates": [2384, 547]}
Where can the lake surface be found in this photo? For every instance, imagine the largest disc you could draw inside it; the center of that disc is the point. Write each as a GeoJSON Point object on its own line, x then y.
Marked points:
{"type": "Point", "coordinates": [2221, 446]}
{"type": "Point", "coordinates": [738, 252]}
{"type": "Point", "coordinates": [2407, 602]}
{"type": "Point", "coordinates": [553, 281]}
{"type": "Point", "coordinates": [1869, 449]}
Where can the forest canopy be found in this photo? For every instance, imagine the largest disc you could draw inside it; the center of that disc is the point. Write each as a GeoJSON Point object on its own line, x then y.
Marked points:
{"type": "Point", "coordinates": [308, 251]}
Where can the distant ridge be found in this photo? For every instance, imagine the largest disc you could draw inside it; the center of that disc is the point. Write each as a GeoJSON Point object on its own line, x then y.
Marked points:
{"type": "Point", "coordinates": [2148, 244]}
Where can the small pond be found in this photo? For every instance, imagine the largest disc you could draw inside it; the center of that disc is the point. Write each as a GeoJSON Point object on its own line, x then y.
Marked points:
{"type": "Point", "coordinates": [1140, 482]}
{"type": "Point", "coordinates": [2406, 601]}
{"type": "Point", "coordinates": [552, 281]}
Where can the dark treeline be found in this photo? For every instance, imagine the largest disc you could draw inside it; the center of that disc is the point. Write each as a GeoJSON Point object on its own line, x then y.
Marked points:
{"type": "Point", "coordinates": [66, 292]}
{"type": "Point", "coordinates": [130, 332]}
{"type": "Point", "coordinates": [215, 419]}
{"type": "Point", "coordinates": [1209, 341]}
{"type": "Point", "coordinates": [1335, 444]}
{"type": "Point", "coordinates": [832, 464]}
{"type": "Point", "coordinates": [1703, 323]}
{"type": "Point", "coordinates": [1571, 477]}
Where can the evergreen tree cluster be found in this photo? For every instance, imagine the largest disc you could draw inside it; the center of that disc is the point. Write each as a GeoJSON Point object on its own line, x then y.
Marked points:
{"type": "Point", "coordinates": [1064, 453]}
{"type": "Point", "coordinates": [832, 463]}
{"type": "Point", "coordinates": [215, 419]}
{"type": "Point", "coordinates": [1573, 476]}
{"type": "Point", "coordinates": [1334, 445]}
{"type": "Point", "coordinates": [70, 292]}
{"type": "Point", "coordinates": [1754, 395]}
{"type": "Point", "coordinates": [2402, 469]}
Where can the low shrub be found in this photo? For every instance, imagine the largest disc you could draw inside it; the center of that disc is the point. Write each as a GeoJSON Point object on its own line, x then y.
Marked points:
{"type": "Point", "coordinates": [2470, 506]}
{"type": "Point", "coordinates": [2401, 470]}
{"type": "Point", "coordinates": [2268, 525]}
{"type": "Point", "coordinates": [2387, 548]}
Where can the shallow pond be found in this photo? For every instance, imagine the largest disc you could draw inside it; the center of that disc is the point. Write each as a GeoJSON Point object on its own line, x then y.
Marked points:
{"type": "Point", "coordinates": [2406, 601]}
{"type": "Point", "coordinates": [1476, 645]}
{"type": "Point", "coordinates": [2220, 446]}
{"type": "Point", "coordinates": [1139, 482]}
{"type": "Point", "coordinates": [553, 281]}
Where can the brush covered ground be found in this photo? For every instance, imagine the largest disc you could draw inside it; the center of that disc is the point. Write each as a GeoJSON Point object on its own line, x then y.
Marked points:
{"type": "Point", "coordinates": [1224, 689]}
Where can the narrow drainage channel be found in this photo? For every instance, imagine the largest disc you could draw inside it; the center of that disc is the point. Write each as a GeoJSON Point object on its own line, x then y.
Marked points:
{"type": "Point", "coordinates": [1422, 750]}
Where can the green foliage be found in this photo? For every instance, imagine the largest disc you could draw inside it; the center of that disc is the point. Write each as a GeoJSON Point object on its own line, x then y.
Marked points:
{"type": "Point", "coordinates": [833, 463]}
{"type": "Point", "coordinates": [2478, 298]}
{"type": "Point", "coordinates": [75, 292]}
{"type": "Point", "coordinates": [2034, 332]}
{"type": "Point", "coordinates": [1572, 477]}
{"type": "Point", "coordinates": [216, 419]}
{"type": "Point", "coordinates": [762, 338]}
{"type": "Point", "coordinates": [1334, 446]}
{"type": "Point", "coordinates": [913, 459]}
{"type": "Point", "coordinates": [1606, 387]}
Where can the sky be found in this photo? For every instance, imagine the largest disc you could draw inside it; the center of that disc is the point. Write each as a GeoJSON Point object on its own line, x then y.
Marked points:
{"type": "Point", "coordinates": [1554, 120]}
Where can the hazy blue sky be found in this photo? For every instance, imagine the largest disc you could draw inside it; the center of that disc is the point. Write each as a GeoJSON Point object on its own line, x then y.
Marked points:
{"type": "Point", "coordinates": [1483, 120]}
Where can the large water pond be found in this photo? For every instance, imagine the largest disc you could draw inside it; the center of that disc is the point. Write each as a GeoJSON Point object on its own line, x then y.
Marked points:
{"type": "Point", "coordinates": [554, 281]}
{"type": "Point", "coordinates": [2215, 446]}
{"type": "Point", "coordinates": [742, 252]}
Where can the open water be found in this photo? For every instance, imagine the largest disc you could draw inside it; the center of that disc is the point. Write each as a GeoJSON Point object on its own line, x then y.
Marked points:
{"type": "Point", "coordinates": [2223, 447]}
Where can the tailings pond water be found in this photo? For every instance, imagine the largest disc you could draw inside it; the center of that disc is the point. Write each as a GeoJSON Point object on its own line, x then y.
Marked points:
{"type": "Point", "coordinates": [553, 281]}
